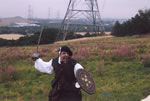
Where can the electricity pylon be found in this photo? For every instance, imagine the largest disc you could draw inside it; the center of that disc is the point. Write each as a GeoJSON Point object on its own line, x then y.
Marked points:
{"type": "Point", "coordinates": [82, 14]}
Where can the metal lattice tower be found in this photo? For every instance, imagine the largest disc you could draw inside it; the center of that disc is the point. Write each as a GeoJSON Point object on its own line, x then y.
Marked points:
{"type": "Point", "coordinates": [49, 13]}
{"type": "Point", "coordinates": [30, 12]}
{"type": "Point", "coordinates": [82, 13]}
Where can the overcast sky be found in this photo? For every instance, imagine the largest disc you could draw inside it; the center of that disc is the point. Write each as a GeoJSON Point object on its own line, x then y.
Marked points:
{"type": "Point", "coordinates": [108, 8]}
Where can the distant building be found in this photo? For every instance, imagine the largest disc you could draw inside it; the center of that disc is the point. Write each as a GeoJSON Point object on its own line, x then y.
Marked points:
{"type": "Point", "coordinates": [15, 24]}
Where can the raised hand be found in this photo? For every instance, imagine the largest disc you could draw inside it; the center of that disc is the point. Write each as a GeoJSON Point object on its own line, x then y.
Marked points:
{"type": "Point", "coordinates": [35, 56]}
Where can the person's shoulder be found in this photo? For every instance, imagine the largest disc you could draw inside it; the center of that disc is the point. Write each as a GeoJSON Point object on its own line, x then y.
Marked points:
{"type": "Point", "coordinates": [74, 61]}
{"type": "Point", "coordinates": [55, 59]}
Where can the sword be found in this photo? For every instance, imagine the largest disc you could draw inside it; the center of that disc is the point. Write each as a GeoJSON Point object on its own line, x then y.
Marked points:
{"type": "Point", "coordinates": [39, 38]}
{"type": "Point", "coordinates": [36, 55]}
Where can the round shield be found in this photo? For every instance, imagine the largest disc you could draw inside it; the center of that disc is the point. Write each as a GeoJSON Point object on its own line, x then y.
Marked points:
{"type": "Point", "coordinates": [85, 81]}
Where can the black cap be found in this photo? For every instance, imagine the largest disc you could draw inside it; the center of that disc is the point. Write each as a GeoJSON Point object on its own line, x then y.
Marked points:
{"type": "Point", "coordinates": [66, 49]}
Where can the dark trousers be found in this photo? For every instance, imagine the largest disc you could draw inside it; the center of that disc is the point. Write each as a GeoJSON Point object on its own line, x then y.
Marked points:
{"type": "Point", "coordinates": [66, 96]}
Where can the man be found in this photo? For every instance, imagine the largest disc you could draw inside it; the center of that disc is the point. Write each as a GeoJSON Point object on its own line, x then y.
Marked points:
{"type": "Point", "coordinates": [146, 99]}
{"type": "Point", "coordinates": [64, 85]}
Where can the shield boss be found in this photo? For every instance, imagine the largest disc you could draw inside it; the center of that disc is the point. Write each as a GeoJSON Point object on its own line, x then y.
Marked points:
{"type": "Point", "coordinates": [85, 81]}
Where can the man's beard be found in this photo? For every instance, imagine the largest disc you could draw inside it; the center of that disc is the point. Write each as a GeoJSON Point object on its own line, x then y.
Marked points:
{"type": "Point", "coordinates": [65, 59]}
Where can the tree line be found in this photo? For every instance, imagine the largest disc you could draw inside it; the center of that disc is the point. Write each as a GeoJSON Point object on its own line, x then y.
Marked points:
{"type": "Point", "coordinates": [138, 25]}
{"type": "Point", "coordinates": [49, 35]}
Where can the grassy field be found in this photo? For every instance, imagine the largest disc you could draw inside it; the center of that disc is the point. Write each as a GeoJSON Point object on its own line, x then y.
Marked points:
{"type": "Point", "coordinates": [119, 66]}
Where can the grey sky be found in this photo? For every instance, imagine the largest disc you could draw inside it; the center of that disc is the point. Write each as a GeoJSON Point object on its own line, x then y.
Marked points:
{"type": "Point", "coordinates": [108, 8]}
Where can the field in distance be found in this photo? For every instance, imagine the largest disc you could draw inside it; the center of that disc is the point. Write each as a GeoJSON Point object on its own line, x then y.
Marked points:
{"type": "Point", "coordinates": [12, 36]}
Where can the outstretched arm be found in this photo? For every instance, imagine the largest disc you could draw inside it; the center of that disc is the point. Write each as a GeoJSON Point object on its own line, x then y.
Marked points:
{"type": "Point", "coordinates": [77, 67]}
{"type": "Point", "coordinates": [44, 67]}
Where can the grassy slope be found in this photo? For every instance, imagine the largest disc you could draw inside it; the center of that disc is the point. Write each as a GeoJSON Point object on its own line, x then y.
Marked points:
{"type": "Point", "coordinates": [118, 77]}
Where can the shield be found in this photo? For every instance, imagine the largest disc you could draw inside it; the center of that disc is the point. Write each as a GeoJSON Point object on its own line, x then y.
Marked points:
{"type": "Point", "coordinates": [85, 81]}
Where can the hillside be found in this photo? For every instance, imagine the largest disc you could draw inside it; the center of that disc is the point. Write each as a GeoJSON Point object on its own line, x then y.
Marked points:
{"type": "Point", "coordinates": [8, 21]}
{"type": "Point", "coordinates": [120, 67]}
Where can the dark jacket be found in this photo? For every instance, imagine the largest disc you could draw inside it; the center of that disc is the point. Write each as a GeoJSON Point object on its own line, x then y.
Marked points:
{"type": "Point", "coordinates": [63, 84]}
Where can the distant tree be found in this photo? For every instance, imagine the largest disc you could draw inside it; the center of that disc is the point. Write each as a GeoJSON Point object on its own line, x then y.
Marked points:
{"type": "Point", "coordinates": [3, 42]}
{"type": "Point", "coordinates": [87, 34]}
{"type": "Point", "coordinates": [140, 24]}
{"type": "Point", "coordinates": [117, 29]}
{"type": "Point", "coordinates": [48, 36]}
{"type": "Point", "coordinates": [72, 35]}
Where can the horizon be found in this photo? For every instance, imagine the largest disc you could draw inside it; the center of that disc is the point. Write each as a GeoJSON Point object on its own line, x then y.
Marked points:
{"type": "Point", "coordinates": [55, 18]}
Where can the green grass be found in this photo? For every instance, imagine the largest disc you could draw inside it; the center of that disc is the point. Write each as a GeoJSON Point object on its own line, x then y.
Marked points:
{"type": "Point", "coordinates": [117, 78]}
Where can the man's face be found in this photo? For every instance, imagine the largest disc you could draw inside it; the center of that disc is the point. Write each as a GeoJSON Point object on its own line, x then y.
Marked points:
{"type": "Point", "coordinates": [64, 56]}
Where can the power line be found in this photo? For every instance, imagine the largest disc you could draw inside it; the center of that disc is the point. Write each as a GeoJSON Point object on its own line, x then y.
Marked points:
{"type": "Point", "coordinates": [30, 12]}
{"type": "Point", "coordinates": [103, 6]}
{"type": "Point", "coordinates": [49, 13]}
{"type": "Point", "coordinates": [66, 2]}
{"type": "Point", "coordinates": [148, 4]}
